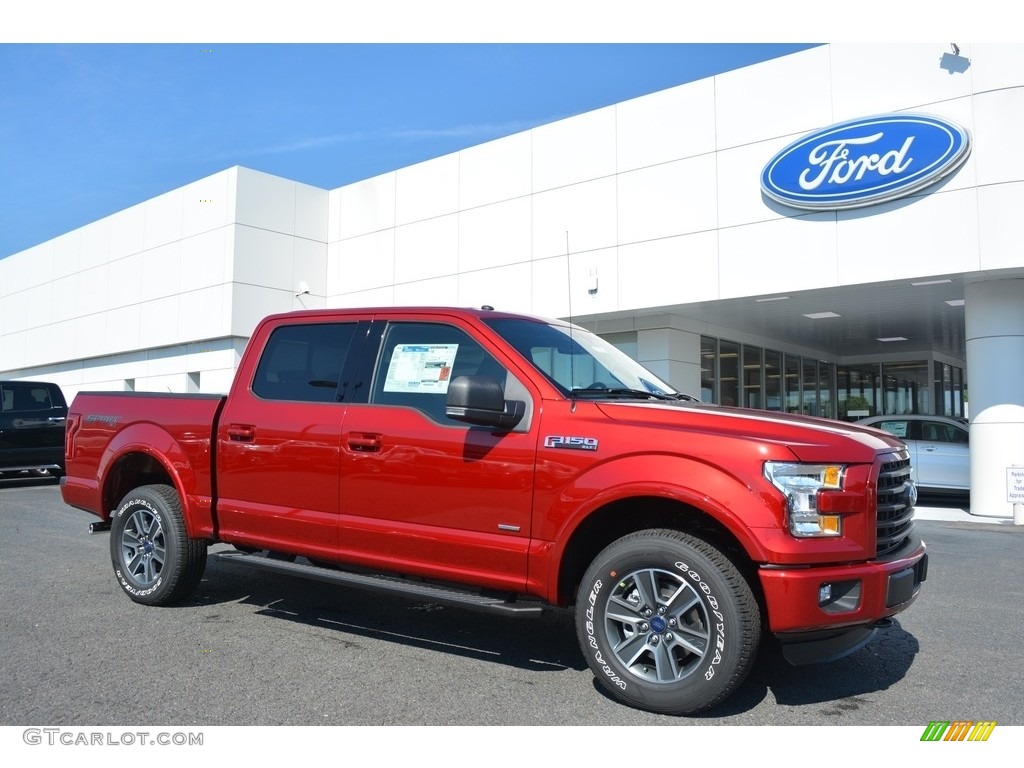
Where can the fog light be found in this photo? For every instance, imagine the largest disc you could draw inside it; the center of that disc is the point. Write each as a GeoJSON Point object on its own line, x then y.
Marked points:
{"type": "Point", "coordinates": [824, 593]}
{"type": "Point", "coordinates": [839, 596]}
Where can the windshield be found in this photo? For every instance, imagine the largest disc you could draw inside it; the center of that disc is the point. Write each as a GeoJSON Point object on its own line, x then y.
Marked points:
{"type": "Point", "coordinates": [578, 361]}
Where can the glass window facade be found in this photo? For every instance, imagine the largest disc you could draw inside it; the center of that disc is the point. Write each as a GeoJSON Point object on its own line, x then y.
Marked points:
{"type": "Point", "coordinates": [754, 377]}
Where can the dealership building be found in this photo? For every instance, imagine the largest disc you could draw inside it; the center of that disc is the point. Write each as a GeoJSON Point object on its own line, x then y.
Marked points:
{"type": "Point", "coordinates": [837, 232]}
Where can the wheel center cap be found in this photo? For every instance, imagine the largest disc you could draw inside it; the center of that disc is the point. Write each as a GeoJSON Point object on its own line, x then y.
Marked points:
{"type": "Point", "coordinates": [658, 624]}
{"type": "Point", "coordinates": [147, 546]}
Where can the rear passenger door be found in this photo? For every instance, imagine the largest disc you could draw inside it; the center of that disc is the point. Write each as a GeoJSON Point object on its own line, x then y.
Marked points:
{"type": "Point", "coordinates": [943, 456]}
{"type": "Point", "coordinates": [422, 493]}
{"type": "Point", "coordinates": [278, 441]}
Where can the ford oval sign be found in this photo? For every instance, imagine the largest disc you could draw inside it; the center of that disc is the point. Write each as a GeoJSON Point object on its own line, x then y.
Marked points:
{"type": "Point", "coordinates": [865, 162]}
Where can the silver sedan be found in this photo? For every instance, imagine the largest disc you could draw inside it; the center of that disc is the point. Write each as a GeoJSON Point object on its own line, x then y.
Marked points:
{"type": "Point", "coordinates": [938, 446]}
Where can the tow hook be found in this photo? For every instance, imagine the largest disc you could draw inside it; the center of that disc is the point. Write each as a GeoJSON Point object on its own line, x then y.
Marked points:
{"type": "Point", "coordinates": [102, 525]}
{"type": "Point", "coordinates": [883, 623]}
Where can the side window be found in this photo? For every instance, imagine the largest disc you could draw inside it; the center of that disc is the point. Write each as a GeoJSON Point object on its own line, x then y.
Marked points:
{"type": "Point", "coordinates": [940, 432]}
{"type": "Point", "coordinates": [419, 360]}
{"type": "Point", "coordinates": [897, 427]}
{"type": "Point", "coordinates": [303, 362]}
{"type": "Point", "coordinates": [25, 397]}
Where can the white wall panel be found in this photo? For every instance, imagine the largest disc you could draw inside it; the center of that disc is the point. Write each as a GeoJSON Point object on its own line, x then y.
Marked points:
{"type": "Point", "coordinates": [375, 297]}
{"type": "Point", "coordinates": [495, 171]}
{"type": "Point", "coordinates": [94, 285]}
{"type": "Point", "coordinates": [66, 255]}
{"type": "Point", "coordinates": [251, 303]}
{"type": "Point", "coordinates": [368, 206]}
{"type": "Point", "coordinates": [998, 154]}
{"type": "Point", "coordinates": [35, 311]}
{"type": "Point", "coordinates": [311, 212]}
{"type": "Point", "coordinates": [669, 199]}
{"type": "Point", "coordinates": [158, 325]}
{"type": "Point", "coordinates": [125, 276]}
{"type": "Point", "coordinates": [740, 200]}
{"type": "Point", "coordinates": [127, 229]}
{"type": "Point", "coordinates": [333, 215]}
{"type": "Point", "coordinates": [777, 256]}
{"type": "Point", "coordinates": [873, 79]}
{"type": "Point", "coordinates": [206, 259]}
{"type": "Point", "coordinates": [207, 204]}
{"type": "Point", "coordinates": [165, 361]}
{"type": "Point", "coordinates": [64, 300]}
{"type": "Point", "coordinates": [309, 265]}
{"type": "Point", "coordinates": [427, 190]}
{"type": "Point", "coordinates": [586, 211]}
{"type": "Point", "coordinates": [930, 235]}
{"type": "Point", "coordinates": [1001, 225]}
{"type": "Point", "coordinates": [90, 336]}
{"type": "Point", "coordinates": [578, 149]}
{"type": "Point", "coordinates": [666, 126]}
{"type": "Point", "coordinates": [427, 249]}
{"type": "Point", "coordinates": [994, 65]}
{"type": "Point", "coordinates": [95, 246]}
{"type": "Point", "coordinates": [784, 96]}
{"type": "Point", "coordinates": [442, 291]}
{"type": "Point", "coordinates": [675, 270]}
{"type": "Point", "coordinates": [550, 293]}
{"type": "Point", "coordinates": [123, 328]}
{"type": "Point", "coordinates": [19, 271]}
{"type": "Point", "coordinates": [263, 258]}
{"type": "Point", "coordinates": [507, 288]}
{"type": "Point", "coordinates": [161, 271]}
{"type": "Point", "coordinates": [14, 311]}
{"type": "Point", "coordinates": [265, 201]}
{"type": "Point", "coordinates": [217, 381]}
{"type": "Point", "coordinates": [364, 262]}
{"type": "Point", "coordinates": [163, 219]}
{"type": "Point", "coordinates": [495, 235]}
{"type": "Point", "coordinates": [204, 313]}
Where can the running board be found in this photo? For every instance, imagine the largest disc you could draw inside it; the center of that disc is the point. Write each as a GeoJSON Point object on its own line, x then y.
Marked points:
{"type": "Point", "coordinates": [416, 590]}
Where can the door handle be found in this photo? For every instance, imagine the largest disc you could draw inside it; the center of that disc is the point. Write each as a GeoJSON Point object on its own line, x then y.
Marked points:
{"type": "Point", "coordinates": [364, 442]}
{"type": "Point", "coordinates": [241, 433]}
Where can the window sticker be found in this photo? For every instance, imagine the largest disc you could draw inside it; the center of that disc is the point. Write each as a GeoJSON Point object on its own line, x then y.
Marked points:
{"type": "Point", "coordinates": [895, 428]}
{"type": "Point", "coordinates": [423, 368]}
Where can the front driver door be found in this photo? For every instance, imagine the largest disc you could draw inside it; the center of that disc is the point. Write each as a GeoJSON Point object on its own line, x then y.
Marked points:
{"type": "Point", "coordinates": [424, 494]}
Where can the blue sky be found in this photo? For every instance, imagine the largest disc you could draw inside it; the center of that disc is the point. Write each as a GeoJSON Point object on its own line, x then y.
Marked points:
{"type": "Point", "coordinates": [89, 129]}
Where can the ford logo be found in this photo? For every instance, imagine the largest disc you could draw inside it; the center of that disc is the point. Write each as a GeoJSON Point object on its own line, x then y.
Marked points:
{"type": "Point", "coordinates": [865, 162]}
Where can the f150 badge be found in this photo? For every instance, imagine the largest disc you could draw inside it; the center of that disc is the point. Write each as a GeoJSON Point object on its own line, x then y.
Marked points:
{"type": "Point", "coordinates": [865, 162]}
{"type": "Point", "coordinates": [566, 441]}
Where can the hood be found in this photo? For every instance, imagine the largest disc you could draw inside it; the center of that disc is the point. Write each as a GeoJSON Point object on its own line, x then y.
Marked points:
{"type": "Point", "coordinates": [809, 438]}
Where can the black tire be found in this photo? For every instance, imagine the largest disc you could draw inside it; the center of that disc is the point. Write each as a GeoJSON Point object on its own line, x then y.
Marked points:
{"type": "Point", "coordinates": [667, 623]}
{"type": "Point", "coordinates": [155, 561]}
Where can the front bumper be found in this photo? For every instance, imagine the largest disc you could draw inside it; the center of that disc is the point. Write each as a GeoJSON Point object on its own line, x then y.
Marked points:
{"type": "Point", "coordinates": [815, 600]}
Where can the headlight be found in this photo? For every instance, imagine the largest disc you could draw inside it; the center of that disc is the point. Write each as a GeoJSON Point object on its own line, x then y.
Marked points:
{"type": "Point", "coordinates": [800, 484]}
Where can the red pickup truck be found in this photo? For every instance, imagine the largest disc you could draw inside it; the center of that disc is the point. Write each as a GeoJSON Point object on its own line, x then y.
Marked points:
{"type": "Point", "coordinates": [507, 463]}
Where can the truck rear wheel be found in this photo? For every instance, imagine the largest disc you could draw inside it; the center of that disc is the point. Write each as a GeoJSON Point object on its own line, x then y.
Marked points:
{"type": "Point", "coordinates": [667, 623]}
{"type": "Point", "coordinates": [155, 561]}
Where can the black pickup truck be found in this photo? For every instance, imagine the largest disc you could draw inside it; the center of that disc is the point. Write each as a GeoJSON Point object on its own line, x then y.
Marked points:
{"type": "Point", "coordinates": [32, 420]}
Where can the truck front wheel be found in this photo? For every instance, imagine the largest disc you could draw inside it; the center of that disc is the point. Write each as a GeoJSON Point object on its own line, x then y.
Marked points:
{"type": "Point", "coordinates": [667, 623]}
{"type": "Point", "coordinates": [155, 561]}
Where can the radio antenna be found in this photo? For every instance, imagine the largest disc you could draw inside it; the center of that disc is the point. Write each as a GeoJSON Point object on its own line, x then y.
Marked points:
{"type": "Point", "coordinates": [572, 356]}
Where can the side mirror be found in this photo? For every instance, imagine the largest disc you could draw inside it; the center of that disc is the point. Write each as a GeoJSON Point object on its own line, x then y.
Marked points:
{"type": "Point", "coordinates": [480, 400]}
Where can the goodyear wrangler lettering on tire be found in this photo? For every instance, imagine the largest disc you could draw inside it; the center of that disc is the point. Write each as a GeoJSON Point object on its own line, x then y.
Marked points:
{"type": "Point", "coordinates": [674, 630]}
{"type": "Point", "coordinates": [154, 560]}
{"type": "Point", "coordinates": [719, 633]}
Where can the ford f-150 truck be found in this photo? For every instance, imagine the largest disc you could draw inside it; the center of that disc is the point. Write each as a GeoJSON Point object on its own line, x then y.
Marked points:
{"type": "Point", "coordinates": [507, 463]}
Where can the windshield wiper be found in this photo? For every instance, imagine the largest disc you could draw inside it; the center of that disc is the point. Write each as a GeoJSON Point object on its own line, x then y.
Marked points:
{"type": "Point", "coordinates": [625, 392]}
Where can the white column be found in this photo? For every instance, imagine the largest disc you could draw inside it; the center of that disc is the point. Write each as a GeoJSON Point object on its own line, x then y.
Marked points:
{"type": "Point", "coordinates": [673, 355]}
{"type": "Point", "coordinates": [995, 379]}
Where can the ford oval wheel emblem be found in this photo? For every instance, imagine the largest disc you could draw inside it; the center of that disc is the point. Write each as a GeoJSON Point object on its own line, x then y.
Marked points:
{"type": "Point", "coordinates": [865, 162]}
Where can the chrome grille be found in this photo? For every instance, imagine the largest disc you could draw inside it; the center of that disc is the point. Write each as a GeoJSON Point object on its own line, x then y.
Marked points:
{"type": "Point", "coordinates": [895, 514]}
